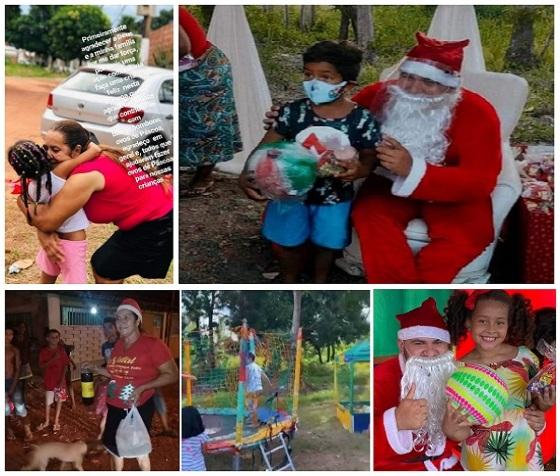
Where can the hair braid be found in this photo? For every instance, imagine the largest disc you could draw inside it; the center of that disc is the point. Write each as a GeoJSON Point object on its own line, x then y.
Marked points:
{"type": "Point", "coordinates": [31, 162]}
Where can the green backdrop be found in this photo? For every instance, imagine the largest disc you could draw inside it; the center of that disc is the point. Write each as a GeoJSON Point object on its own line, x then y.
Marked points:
{"type": "Point", "coordinates": [387, 303]}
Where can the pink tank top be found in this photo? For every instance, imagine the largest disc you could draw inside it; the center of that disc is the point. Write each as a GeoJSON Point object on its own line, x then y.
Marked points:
{"type": "Point", "coordinates": [124, 201]}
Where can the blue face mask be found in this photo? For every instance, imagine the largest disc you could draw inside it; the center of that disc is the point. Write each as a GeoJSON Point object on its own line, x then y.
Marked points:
{"type": "Point", "coordinates": [320, 92]}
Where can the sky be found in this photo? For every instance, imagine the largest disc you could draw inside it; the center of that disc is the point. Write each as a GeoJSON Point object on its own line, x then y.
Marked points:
{"type": "Point", "coordinates": [114, 12]}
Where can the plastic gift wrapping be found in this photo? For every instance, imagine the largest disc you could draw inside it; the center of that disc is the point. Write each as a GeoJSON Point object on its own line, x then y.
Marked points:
{"type": "Point", "coordinates": [283, 170]}
{"type": "Point", "coordinates": [329, 145]}
{"type": "Point", "coordinates": [547, 375]}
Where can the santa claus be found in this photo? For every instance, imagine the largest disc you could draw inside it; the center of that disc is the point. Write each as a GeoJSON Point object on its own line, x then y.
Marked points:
{"type": "Point", "coordinates": [440, 158]}
{"type": "Point", "coordinates": [409, 397]}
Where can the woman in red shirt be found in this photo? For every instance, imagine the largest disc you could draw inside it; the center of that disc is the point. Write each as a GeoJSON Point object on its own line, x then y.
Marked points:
{"type": "Point", "coordinates": [138, 365]}
{"type": "Point", "coordinates": [109, 192]}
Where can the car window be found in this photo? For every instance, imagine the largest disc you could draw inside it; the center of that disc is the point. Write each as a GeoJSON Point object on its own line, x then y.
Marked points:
{"type": "Point", "coordinates": [105, 83]}
{"type": "Point", "coordinates": [166, 92]}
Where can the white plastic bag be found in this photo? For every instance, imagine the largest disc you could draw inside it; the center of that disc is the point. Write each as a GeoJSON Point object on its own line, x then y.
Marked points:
{"type": "Point", "coordinates": [133, 439]}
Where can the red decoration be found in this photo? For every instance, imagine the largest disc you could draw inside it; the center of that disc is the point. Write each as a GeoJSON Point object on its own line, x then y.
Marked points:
{"type": "Point", "coordinates": [537, 244]}
{"type": "Point", "coordinates": [470, 303]}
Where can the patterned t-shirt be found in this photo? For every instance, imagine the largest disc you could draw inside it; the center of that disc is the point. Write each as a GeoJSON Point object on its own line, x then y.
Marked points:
{"type": "Point", "coordinates": [359, 125]}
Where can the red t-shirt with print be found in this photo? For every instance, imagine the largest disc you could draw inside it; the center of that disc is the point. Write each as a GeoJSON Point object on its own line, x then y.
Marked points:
{"type": "Point", "coordinates": [135, 366]}
{"type": "Point", "coordinates": [52, 375]}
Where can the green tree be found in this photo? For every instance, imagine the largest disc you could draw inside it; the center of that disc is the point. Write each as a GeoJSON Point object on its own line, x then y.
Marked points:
{"type": "Point", "coordinates": [132, 24]}
{"type": "Point", "coordinates": [207, 11]}
{"type": "Point", "coordinates": [13, 12]}
{"type": "Point", "coordinates": [203, 309]}
{"type": "Point", "coordinates": [31, 32]}
{"type": "Point", "coordinates": [349, 16]}
{"type": "Point", "coordinates": [265, 311]}
{"type": "Point", "coordinates": [331, 318]}
{"type": "Point", "coordinates": [72, 22]}
{"type": "Point", "coordinates": [520, 54]}
{"type": "Point", "coordinates": [328, 318]}
{"type": "Point", "coordinates": [164, 17]}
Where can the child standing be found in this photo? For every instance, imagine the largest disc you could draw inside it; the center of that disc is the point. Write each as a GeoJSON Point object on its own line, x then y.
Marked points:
{"type": "Point", "coordinates": [330, 69]}
{"type": "Point", "coordinates": [194, 436]}
{"type": "Point", "coordinates": [53, 360]}
{"type": "Point", "coordinates": [42, 178]}
{"type": "Point", "coordinates": [501, 327]}
{"type": "Point", "coordinates": [69, 349]}
{"type": "Point", "coordinates": [255, 375]}
{"type": "Point", "coordinates": [15, 403]}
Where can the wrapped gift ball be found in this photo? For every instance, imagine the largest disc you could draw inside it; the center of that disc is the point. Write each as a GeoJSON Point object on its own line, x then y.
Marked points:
{"type": "Point", "coordinates": [283, 170]}
{"type": "Point", "coordinates": [478, 391]}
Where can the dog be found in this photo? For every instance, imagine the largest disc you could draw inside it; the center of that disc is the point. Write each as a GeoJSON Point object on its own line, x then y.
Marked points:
{"type": "Point", "coordinates": [64, 452]}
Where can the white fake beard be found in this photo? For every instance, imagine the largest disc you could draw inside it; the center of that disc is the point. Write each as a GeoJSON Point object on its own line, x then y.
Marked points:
{"type": "Point", "coordinates": [430, 376]}
{"type": "Point", "coordinates": [419, 122]}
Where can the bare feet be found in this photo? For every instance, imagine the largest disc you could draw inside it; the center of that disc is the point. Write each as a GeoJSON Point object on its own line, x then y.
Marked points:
{"type": "Point", "coordinates": [42, 426]}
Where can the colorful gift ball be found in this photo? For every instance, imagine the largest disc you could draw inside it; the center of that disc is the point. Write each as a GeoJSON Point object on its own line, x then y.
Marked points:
{"type": "Point", "coordinates": [478, 391]}
{"type": "Point", "coordinates": [283, 170]}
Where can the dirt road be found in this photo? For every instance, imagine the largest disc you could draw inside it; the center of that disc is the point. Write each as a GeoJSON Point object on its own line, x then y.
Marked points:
{"type": "Point", "coordinates": [83, 424]}
{"type": "Point", "coordinates": [26, 99]}
{"type": "Point", "coordinates": [220, 239]}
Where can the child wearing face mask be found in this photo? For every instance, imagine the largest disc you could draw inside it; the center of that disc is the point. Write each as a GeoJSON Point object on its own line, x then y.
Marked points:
{"type": "Point", "coordinates": [41, 178]}
{"type": "Point", "coordinates": [320, 225]}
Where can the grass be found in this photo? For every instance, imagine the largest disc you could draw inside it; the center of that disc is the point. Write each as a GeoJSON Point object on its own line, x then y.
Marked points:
{"type": "Point", "coordinates": [31, 71]}
{"type": "Point", "coordinates": [317, 384]}
{"type": "Point", "coordinates": [321, 443]}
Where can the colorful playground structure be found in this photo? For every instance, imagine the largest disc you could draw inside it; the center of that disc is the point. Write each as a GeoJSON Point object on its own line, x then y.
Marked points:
{"type": "Point", "coordinates": [217, 363]}
{"type": "Point", "coordinates": [351, 387]}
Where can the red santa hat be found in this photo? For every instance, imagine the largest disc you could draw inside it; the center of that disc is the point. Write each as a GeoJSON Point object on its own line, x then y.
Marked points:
{"type": "Point", "coordinates": [437, 60]}
{"type": "Point", "coordinates": [423, 322]}
{"type": "Point", "coordinates": [131, 305]}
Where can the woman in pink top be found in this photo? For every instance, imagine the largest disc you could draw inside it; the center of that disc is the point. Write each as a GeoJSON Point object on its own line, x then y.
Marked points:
{"type": "Point", "coordinates": [108, 192]}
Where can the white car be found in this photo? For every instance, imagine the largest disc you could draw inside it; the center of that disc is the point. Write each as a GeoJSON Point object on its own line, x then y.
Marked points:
{"type": "Point", "coordinates": [124, 106]}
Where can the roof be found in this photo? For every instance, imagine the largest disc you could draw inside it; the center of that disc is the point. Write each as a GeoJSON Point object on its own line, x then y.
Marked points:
{"type": "Point", "coordinates": [359, 352]}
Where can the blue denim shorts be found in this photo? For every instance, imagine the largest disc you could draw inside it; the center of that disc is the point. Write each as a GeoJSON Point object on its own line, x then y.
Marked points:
{"type": "Point", "coordinates": [291, 224]}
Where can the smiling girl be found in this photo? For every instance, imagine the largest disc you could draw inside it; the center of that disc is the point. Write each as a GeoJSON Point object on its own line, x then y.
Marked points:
{"type": "Point", "coordinates": [43, 174]}
{"type": "Point", "coordinates": [501, 327]}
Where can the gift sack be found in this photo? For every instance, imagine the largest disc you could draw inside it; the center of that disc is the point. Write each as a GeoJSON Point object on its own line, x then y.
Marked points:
{"type": "Point", "coordinates": [283, 170]}
{"type": "Point", "coordinates": [133, 439]}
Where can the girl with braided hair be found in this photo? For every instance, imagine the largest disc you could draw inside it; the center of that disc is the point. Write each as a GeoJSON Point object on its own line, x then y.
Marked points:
{"type": "Point", "coordinates": [110, 190]}
{"type": "Point", "coordinates": [501, 326]}
{"type": "Point", "coordinates": [42, 177]}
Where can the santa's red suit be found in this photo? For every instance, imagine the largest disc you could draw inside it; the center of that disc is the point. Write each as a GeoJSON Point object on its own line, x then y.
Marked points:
{"type": "Point", "coordinates": [453, 198]}
{"type": "Point", "coordinates": [393, 448]}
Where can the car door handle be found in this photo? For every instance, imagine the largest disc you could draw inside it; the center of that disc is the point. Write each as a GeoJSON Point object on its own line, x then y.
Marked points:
{"type": "Point", "coordinates": [169, 116]}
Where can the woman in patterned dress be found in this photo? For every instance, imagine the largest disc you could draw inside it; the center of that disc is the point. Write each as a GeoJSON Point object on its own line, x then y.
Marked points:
{"type": "Point", "coordinates": [208, 124]}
